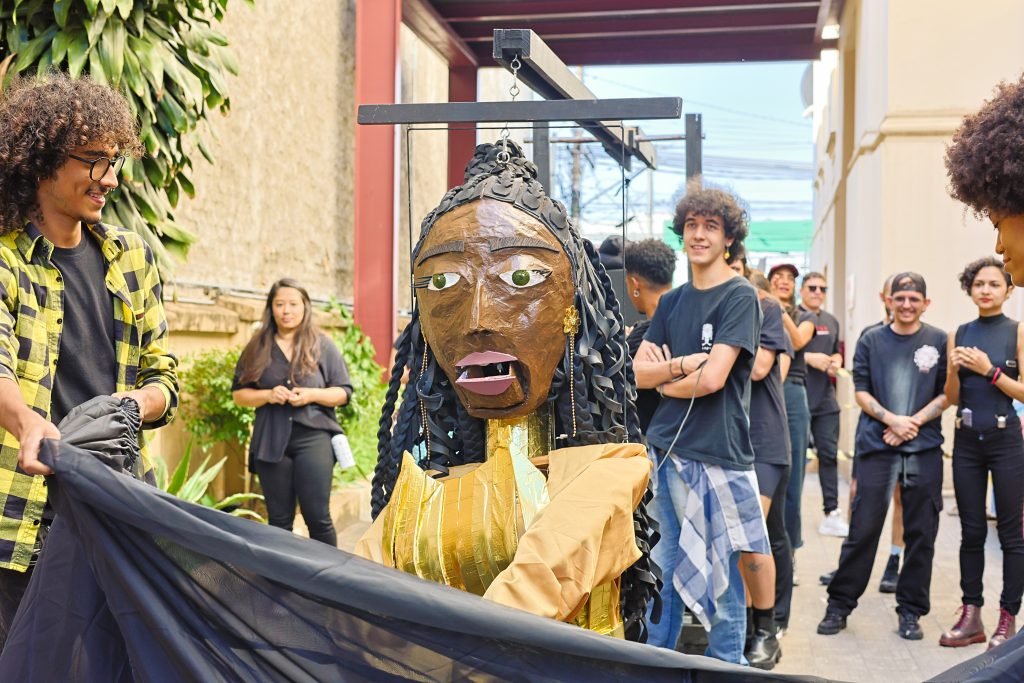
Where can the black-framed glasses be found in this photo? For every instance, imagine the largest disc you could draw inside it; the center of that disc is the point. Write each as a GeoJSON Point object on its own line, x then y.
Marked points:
{"type": "Point", "coordinates": [99, 166]}
{"type": "Point", "coordinates": [818, 288]}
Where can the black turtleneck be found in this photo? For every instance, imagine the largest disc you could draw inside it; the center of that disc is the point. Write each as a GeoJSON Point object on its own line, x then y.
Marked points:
{"type": "Point", "coordinates": [996, 335]}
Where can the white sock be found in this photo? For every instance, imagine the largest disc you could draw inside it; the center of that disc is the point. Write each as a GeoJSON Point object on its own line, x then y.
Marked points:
{"type": "Point", "coordinates": [896, 550]}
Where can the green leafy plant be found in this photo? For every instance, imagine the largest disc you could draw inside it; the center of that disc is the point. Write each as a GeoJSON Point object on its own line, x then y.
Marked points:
{"type": "Point", "coordinates": [209, 412]}
{"type": "Point", "coordinates": [212, 417]}
{"type": "Point", "coordinates": [193, 487]}
{"type": "Point", "coordinates": [171, 64]}
{"type": "Point", "coordinates": [361, 416]}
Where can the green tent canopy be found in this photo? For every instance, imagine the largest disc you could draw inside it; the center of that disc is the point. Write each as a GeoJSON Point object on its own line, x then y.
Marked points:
{"type": "Point", "coordinates": [778, 237]}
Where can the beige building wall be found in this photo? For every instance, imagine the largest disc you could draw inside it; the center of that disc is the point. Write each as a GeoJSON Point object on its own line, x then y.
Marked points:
{"type": "Point", "coordinates": [905, 74]}
{"type": "Point", "coordinates": [278, 202]}
{"type": "Point", "coordinates": [886, 105]}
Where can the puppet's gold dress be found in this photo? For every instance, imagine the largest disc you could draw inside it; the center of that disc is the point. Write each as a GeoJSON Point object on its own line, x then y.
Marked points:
{"type": "Point", "coordinates": [553, 545]}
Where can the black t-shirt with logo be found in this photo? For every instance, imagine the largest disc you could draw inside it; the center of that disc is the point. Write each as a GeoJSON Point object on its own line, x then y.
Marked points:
{"type": "Point", "coordinates": [904, 373]}
{"type": "Point", "coordinates": [691, 320]}
{"type": "Point", "coordinates": [769, 430]}
{"type": "Point", "coordinates": [821, 393]}
{"type": "Point", "coordinates": [798, 368]}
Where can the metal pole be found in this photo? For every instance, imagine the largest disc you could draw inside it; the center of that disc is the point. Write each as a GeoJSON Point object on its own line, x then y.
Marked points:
{"type": "Point", "coordinates": [694, 146]}
{"type": "Point", "coordinates": [542, 152]}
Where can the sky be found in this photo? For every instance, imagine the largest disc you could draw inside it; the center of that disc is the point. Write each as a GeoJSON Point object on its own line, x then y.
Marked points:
{"type": "Point", "coordinates": [757, 140]}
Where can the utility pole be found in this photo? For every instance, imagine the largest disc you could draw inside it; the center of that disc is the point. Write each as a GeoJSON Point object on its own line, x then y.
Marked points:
{"type": "Point", "coordinates": [577, 169]}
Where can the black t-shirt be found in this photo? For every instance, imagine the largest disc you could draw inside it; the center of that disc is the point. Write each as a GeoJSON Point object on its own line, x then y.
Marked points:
{"type": "Point", "coordinates": [821, 393]}
{"type": "Point", "coordinates": [273, 425]}
{"type": "Point", "coordinates": [904, 373]}
{"type": "Point", "coordinates": [86, 364]}
{"type": "Point", "coordinates": [872, 326]}
{"type": "Point", "coordinates": [997, 336]}
{"type": "Point", "coordinates": [798, 368]}
{"type": "Point", "coordinates": [646, 399]}
{"type": "Point", "coordinates": [769, 430]}
{"type": "Point", "coordinates": [692, 320]}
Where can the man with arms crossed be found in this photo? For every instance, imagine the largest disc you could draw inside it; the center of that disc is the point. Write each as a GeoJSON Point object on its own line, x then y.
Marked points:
{"type": "Point", "coordinates": [699, 353]}
{"type": "Point", "coordinates": [82, 313]}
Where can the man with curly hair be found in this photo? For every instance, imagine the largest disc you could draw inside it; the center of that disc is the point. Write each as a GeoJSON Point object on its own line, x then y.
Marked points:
{"type": "Point", "coordinates": [985, 164]}
{"type": "Point", "coordinates": [699, 353]}
{"type": "Point", "coordinates": [81, 312]}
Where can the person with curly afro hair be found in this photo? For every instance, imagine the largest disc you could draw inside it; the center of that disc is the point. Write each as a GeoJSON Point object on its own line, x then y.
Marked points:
{"type": "Point", "coordinates": [985, 164]}
{"type": "Point", "coordinates": [81, 314]}
{"type": "Point", "coordinates": [699, 354]}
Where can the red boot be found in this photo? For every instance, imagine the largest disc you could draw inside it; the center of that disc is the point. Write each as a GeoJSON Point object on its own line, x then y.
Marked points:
{"type": "Point", "coordinates": [1006, 629]}
{"type": "Point", "coordinates": [967, 630]}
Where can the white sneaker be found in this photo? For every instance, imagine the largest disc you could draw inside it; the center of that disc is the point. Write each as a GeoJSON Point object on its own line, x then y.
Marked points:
{"type": "Point", "coordinates": [834, 525]}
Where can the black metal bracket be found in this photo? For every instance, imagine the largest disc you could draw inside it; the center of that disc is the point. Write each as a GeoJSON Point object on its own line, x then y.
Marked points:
{"type": "Point", "coordinates": [548, 76]}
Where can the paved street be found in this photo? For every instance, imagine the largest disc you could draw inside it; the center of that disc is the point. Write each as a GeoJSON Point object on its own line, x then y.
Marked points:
{"type": "Point", "coordinates": [869, 649]}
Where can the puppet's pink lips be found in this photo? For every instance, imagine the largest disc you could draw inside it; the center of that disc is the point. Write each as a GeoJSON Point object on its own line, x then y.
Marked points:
{"type": "Point", "coordinates": [488, 373]}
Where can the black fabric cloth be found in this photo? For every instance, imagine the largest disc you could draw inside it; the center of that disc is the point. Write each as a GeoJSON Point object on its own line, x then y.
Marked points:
{"type": "Point", "coordinates": [770, 478]}
{"type": "Point", "coordinates": [798, 368]}
{"type": "Point", "coordinates": [769, 433]}
{"type": "Point", "coordinates": [303, 474]}
{"type": "Point", "coordinates": [997, 337]}
{"type": "Point", "coordinates": [821, 392]}
{"type": "Point", "coordinates": [137, 585]}
{"type": "Point", "coordinates": [691, 320]}
{"type": "Point", "coordinates": [646, 399]}
{"type": "Point", "coordinates": [272, 426]}
{"type": "Point", "coordinates": [825, 439]}
{"type": "Point", "coordinates": [919, 476]}
{"type": "Point", "coordinates": [904, 372]}
{"type": "Point", "coordinates": [86, 366]}
{"type": "Point", "coordinates": [976, 454]}
{"type": "Point", "coordinates": [12, 590]}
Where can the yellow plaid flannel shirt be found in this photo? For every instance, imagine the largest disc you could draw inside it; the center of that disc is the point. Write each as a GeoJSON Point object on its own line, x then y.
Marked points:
{"type": "Point", "coordinates": [31, 321]}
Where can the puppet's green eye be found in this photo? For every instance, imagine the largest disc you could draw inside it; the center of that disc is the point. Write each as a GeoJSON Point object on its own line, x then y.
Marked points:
{"type": "Point", "coordinates": [525, 278]}
{"type": "Point", "coordinates": [440, 281]}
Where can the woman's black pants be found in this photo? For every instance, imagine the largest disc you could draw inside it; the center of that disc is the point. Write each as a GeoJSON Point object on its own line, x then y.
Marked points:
{"type": "Point", "coordinates": [999, 452]}
{"type": "Point", "coordinates": [305, 473]}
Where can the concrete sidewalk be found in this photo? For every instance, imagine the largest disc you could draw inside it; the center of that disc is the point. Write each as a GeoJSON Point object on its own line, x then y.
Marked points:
{"type": "Point", "coordinates": [869, 649]}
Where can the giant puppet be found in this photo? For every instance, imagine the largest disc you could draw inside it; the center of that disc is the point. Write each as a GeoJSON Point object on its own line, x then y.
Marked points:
{"type": "Point", "coordinates": [514, 469]}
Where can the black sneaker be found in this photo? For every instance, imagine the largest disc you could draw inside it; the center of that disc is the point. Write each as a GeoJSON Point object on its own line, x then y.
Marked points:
{"type": "Point", "coordinates": [826, 579]}
{"type": "Point", "coordinates": [833, 623]}
{"type": "Point", "coordinates": [909, 628]}
{"type": "Point", "coordinates": [891, 575]}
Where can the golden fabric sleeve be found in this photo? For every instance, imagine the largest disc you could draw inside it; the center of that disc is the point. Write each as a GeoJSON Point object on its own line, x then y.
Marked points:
{"type": "Point", "coordinates": [584, 537]}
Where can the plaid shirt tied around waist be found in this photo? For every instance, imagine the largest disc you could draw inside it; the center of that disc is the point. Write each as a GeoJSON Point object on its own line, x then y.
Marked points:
{"type": "Point", "coordinates": [31, 322]}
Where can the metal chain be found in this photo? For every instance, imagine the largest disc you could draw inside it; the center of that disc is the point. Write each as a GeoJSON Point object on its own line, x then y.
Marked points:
{"type": "Point", "coordinates": [503, 156]}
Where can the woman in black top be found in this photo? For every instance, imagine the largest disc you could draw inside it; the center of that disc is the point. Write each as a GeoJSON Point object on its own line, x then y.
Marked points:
{"type": "Point", "coordinates": [983, 380]}
{"type": "Point", "coordinates": [294, 376]}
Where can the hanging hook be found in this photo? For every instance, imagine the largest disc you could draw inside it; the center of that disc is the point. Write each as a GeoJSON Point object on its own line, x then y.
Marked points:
{"type": "Point", "coordinates": [503, 156]}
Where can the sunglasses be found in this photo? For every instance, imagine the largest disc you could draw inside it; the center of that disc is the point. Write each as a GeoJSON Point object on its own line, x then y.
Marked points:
{"type": "Point", "coordinates": [817, 288]}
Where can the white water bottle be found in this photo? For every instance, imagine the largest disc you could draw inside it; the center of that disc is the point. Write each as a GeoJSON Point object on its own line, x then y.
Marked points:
{"type": "Point", "coordinates": [342, 451]}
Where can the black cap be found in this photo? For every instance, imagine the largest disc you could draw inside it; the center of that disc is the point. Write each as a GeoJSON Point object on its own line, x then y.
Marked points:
{"type": "Point", "coordinates": [908, 282]}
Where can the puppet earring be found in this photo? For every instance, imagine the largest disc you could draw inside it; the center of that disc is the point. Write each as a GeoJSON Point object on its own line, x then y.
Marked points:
{"type": "Point", "coordinates": [571, 325]}
{"type": "Point", "coordinates": [423, 407]}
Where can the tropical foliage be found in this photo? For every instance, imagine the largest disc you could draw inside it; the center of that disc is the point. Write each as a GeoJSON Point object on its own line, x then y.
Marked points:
{"type": "Point", "coordinates": [193, 488]}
